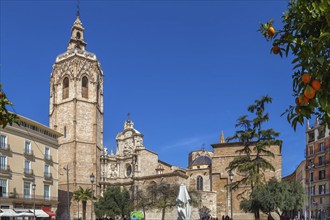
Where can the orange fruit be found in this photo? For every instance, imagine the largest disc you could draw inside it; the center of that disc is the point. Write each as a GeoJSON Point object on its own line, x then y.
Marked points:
{"type": "Point", "coordinates": [316, 84]}
{"type": "Point", "coordinates": [276, 49]}
{"type": "Point", "coordinates": [1, 95]}
{"type": "Point", "coordinates": [271, 31]}
{"type": "Point", "coordinates": [303, 99]}
{"type": "Point", "coordinates": [297, 101]}
{"type": "Point", "coordinates": [309, 92]}
{"type": "Point", "coordinates": [306, 78]}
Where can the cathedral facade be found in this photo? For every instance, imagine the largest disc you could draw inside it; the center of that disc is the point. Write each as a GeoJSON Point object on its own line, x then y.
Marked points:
{"type": "Point", "coordinates": [76, 111]}
{"type": "Point", "coordinates": [137, 168]}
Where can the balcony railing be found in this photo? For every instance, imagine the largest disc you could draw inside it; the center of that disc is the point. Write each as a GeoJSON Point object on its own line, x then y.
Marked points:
{"type": "Point", "coordinates": [4, 168]}
{"type": "Point", "coordinates": [28, 152]}
{"type": "Point", "coordinates": [48, 157]}
{"type": "Point", "coordinates": [13, 195]}
{"type": "Point", "coordinates": [28, 172]}
{"type": "Point", "coordinates": [318, 193]}
{"type": "Point", "coordinates": [48, 175]}
{"type": "Point", "coordinates": [5, 147]}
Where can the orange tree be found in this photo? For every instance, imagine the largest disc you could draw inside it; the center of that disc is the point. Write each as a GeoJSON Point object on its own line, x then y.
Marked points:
{"type": "Point", "coordinates": [6, 117]}
{"type": "Point", "coordinates": [305, 35]}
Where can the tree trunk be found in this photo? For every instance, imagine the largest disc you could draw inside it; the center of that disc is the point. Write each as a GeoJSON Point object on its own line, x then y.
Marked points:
{"type": "Point", "coordinates": [163, 213]}
{"type": "Point", "coordinates": [84, 209]}
{"type": "Point", "coordinates": [144, 212]}
{"type": "Point", "coordinates": [78, 211]}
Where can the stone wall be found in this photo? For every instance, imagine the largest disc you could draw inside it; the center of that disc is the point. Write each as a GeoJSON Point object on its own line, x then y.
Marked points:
{"type": "Point", "coordinates": [224, 153]}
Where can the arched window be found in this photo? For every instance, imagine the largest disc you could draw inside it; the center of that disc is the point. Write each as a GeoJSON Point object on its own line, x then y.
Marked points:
{"type": "Point", "coordinates": [199, 183]}
{"type": "Point", "coordinates": [153, 190]}
{"type": "Point", "coordinates": [84, 87]}
{"type": "Point", "coordinates": [128, 170]}
{"type": "Point", "coordinates": [78, 35]}
{"type": "Point", "coordinates": [65, 92]}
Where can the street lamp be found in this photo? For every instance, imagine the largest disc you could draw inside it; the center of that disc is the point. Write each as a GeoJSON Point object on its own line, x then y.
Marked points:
{"type": "Point", "coordinates": [67, 190]}
{"type": "Point", "coordinates": [34, 200]}
{"type": "Point", "coordinates": [310, 167]}
{"type": "Point", "coordinates": [231, 177]}
{"type": "Point", "coordinates": [92, 177]}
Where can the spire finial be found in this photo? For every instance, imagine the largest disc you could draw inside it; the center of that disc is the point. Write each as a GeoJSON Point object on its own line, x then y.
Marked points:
{"type": "Point", "coordinates": [128, 116]}
{"type": "Point", "coordinates": [78, 8]}
{"type": "Point", "coordinates": [222, 137]}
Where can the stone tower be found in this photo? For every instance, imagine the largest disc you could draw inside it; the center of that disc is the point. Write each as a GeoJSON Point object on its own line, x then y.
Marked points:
{"type": "Point", "coordinates": [76, 111]}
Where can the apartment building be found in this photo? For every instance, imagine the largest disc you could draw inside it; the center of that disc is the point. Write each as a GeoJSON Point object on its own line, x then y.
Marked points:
{"type": "Point", "coordinates": [318, 170]}
{"type": "Point", "coordinates": [29, 167]}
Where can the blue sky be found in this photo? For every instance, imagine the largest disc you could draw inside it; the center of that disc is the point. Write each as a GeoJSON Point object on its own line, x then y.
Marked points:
{"type": "Point", "coordinates": [185, 70]}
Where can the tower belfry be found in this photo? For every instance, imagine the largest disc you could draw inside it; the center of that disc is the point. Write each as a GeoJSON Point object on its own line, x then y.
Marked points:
{"type": "Point", "coordinates": [76, 111]}
{"type": "Point", "coordinates": [77, 35]}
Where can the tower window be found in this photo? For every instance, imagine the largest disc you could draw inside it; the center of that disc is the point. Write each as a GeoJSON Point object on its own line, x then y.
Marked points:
{"type": "Point", "coordinates": [199, 183]}
{"type": "Point", "coordinates": [65, 88]}
{"type": "Point", "coordinates": [78, 35]}
{"type": "Point", "coordinates": [84, 86]}
{"type": "Point", "coordinates": [64, 132]}
{"type": "Point", "coordinates": [129, 170]}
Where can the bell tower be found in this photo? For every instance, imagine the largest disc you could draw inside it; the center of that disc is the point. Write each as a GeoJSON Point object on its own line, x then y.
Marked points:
{"type": "Point", "coordinates": [76, 111]}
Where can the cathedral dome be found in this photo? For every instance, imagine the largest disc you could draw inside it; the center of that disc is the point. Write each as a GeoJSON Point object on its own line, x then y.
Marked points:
{"type": "Point", "coordinates": [202, 160]}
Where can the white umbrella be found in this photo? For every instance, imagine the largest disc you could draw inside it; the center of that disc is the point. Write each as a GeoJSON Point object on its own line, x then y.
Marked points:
{"type": "Point", "coordinates": [184, 208]}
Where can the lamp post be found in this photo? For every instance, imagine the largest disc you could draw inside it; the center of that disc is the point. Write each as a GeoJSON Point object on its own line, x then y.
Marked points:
{"type": "Point", "coordinates": [34, 200]}
{"type": "Point", "coordinates": [67, 189]}
{"type": "Point", "coordinates": [310, 167]}
{"type": "Point", "coordinates": [231, 177]}
{"type": "Point", "coordinates": [92, 177]}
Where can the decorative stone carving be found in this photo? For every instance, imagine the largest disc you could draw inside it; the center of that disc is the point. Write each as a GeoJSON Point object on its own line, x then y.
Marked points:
{"type": "Point", "coordinates": [105, 152]}
{"type": "Point", "coordinates": [112, 170]}
{"type": "Point", "coordinates": [128, 147]}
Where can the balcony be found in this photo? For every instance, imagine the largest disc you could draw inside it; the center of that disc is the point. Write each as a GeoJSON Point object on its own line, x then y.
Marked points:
{"type": "Point", "coordinates": [28, 172]}
{"type": "Point", "coordinates": [48, 157]}
{"type": "Point", "coordinates": [5, 147]}
{"type": "Point", "coordinates": [28, 153]}
{"type": "Point", "coordinates": [48, 176]}
{"type": "Point", "coordinates": [21, 198]}
{"type": "Point", "coordinates": [5, 169]}
{"type": "Point", "coordinates": [322, 193]}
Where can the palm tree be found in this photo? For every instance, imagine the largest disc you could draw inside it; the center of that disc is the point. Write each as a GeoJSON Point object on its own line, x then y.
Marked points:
{"type": "Point", "coordinates": [82, 195]}
{"type": "Point", "coordinates": [77, 199]}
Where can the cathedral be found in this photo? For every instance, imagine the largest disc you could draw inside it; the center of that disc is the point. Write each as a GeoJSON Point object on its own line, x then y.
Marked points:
{"type": "Point", "coordinates": [76, 111]}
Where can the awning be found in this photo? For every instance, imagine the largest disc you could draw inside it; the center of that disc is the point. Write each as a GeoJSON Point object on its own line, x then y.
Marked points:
{"type": "Point", "coordinates": [23, 212]}
{"type": "Point", "coordinates": [50, 213]}
{"type": "Point", "coordinates": [8, 213]}
{"type": "Point", "coordinates": [40, 213]}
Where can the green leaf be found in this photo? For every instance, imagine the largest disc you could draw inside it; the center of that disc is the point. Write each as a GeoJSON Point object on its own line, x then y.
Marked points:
{"type": "Point", "coordinates": [320, 60]}
{"type": "Point", "coordinates": [295, 60]}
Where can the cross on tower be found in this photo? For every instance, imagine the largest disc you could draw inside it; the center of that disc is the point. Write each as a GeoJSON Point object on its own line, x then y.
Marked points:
{"type": "Point", "coordinates": [78, 8]}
